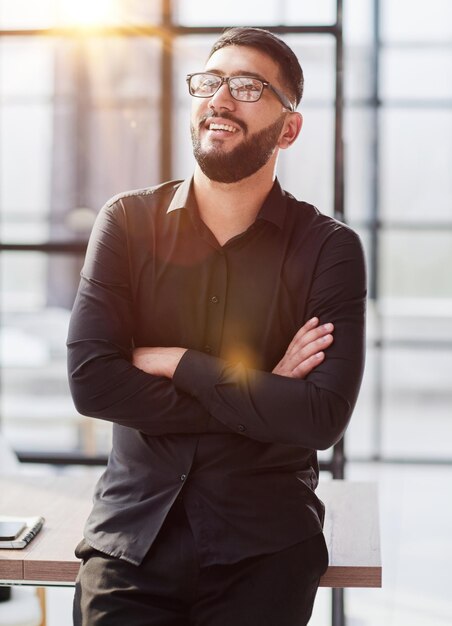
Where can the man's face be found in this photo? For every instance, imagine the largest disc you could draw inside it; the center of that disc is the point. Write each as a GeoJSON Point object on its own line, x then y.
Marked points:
{"type": "Point", "coordinates": [232, 140]}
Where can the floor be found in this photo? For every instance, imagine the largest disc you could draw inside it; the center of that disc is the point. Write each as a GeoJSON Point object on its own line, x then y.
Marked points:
{"type": "Point", "coordinates": [416, 523]}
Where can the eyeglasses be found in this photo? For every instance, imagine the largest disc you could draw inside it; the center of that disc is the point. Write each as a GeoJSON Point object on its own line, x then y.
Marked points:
{"type": "Point", "coordinates": [241, 88]}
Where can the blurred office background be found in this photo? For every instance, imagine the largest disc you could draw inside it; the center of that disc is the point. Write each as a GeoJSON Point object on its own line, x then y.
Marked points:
{"type": "Point", "coordinates": [93, 101]}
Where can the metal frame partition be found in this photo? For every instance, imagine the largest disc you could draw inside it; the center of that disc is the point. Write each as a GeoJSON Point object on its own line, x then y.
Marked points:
{"type": "Point", "coordinates": [377, 226]}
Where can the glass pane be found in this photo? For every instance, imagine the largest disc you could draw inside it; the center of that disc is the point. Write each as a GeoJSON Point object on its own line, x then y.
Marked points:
{"type": "Point", "coordinates": [320, 12]}
{"type": "Point", "coordinates": [26, 68]}
{"type": "Point", "coordinates": [234, 13]}
{"type": "Point", "coordinates": [358, 23]}
{"type": "Point", "coordinates": [360, 438]}
{"type": "Point", "coordinates": [23, 277]}
{"type": "Point", "coordinates": [358, 141]}
{"type": "Point", "coordinates": [136, 131]}
{"type": "Point", "coordinates": [183, 160]}
{"type": "Point", "coordinates": [316, 55]}
{"type": "Point", "coordinates": [358, 72]}
{"type": "Point", "coordinates": [306, 169]}
{"type": "Point", "coordinates": [408, 319]}
{"type": "Point", "coordinates": [25, 145]}
{"type": "Point", "coordinates": [255, 12]}
{"type": "Point", "coordinates": [416, 264]}
{"type": "Point", "coordinates": [416, 73]}
{"type": "Point", "coordinates": [416, 181]}
{"type": "Point", "coordinates": [24, 14]}
{"type": "Point", "coordinates": [417, 400]}
{"type": "Point", "coordinates": [18, 14]}
{"type": "Point", "coordinates": [36, 408]}
{"type": "Point", "coordinates": [416, 20]}
{"type": "Point", "coordinates": [95, 133]}
{"type": "Point", "coordinates": [360, 435]}
{"type": "Point", "coordinates": [121, 68]}
{"type": "Point", "coordinates": [85, 14]}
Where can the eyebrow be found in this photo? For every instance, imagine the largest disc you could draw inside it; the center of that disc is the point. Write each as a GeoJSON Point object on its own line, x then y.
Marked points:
{"type": "Point", "coordinates": [237, 73]}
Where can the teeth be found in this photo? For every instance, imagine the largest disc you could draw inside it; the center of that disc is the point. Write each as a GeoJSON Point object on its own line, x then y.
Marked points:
{"type": "Point", "coordinates": [230, 129]}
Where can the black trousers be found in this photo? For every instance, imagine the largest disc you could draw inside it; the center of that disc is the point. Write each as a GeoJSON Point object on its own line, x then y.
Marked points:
{"type": "Point", "coordinates": [170, 588]}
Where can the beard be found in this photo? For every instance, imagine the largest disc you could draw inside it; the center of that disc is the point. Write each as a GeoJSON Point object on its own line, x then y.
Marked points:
{"type": "Point", "coordinates": [243, 160]}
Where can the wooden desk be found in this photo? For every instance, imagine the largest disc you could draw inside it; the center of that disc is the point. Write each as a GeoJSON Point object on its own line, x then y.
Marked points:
{"type": "Point", "coordinates": [351, 529]}
{"type": "Point", "coordinates": [352, 533]}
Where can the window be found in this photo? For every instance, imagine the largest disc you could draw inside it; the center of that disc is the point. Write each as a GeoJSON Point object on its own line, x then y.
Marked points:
{"type": "Point", "coordinates": [95, 102]}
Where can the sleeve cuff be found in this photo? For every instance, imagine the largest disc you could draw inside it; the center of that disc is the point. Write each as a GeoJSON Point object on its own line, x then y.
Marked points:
{"type": "Point", "coordinates": [197, 374]}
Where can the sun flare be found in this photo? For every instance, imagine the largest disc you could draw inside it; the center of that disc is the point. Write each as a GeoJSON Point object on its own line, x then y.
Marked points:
{"type": "Point", "coordinates": [89, 13]}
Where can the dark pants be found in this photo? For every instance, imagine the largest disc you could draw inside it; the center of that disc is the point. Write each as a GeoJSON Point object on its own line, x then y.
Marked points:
{"type": "Point", "coordinates": [170, 588]}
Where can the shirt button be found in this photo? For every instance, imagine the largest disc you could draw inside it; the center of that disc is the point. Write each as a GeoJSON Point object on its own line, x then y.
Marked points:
{"type": "Point", "coordinates": [183, 477]}
{"type": "Point", "coordinates": [207, 349]}
{"type": "Point", "coordinates": [241, 428]}
{"type": "Point", "coordinates": [214, 299]}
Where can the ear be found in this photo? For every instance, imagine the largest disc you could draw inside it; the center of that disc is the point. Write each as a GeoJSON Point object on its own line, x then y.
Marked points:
{"type": "Point", "coordinates": [291, 130]}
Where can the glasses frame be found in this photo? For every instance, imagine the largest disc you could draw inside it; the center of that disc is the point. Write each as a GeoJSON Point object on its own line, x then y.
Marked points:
{"type": "Point", "coordinates": [226, 79]}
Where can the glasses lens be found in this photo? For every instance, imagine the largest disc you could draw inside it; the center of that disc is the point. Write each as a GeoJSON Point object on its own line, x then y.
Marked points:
{"type": "Point", "coordinates": [204, 85]}
{"type": "Point", "coordinates": [245, 88]}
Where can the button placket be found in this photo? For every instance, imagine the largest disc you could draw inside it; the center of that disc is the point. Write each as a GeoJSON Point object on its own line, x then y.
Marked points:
{"type": "Point", "coordinates": [215, 307]}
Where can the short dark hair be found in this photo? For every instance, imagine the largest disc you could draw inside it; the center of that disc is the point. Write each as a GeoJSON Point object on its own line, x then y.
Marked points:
{"type": "Point", "coordinates": [289, 67]}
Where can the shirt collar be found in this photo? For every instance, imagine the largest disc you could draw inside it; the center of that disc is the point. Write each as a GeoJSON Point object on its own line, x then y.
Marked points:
{"type": "Point", "coordinates": [273, 210]}
{"type": "Point", "coordinates": [275, 206]}
{"type": "Point", "coordinates": [184, 197]}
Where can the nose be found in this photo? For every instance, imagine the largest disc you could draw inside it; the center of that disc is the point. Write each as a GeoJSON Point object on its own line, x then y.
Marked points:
{"type": "Point", "coordinates": [222, 99]}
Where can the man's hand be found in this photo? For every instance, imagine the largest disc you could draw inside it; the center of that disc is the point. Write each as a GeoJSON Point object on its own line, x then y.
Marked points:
{"type": "Point", "coordinates": [158, 361]}
{"type": "Point", "coordinates": [306, 350]}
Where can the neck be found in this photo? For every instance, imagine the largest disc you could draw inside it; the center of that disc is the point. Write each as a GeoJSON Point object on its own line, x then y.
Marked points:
{"type": "Point", "coordinates": [228, 209]}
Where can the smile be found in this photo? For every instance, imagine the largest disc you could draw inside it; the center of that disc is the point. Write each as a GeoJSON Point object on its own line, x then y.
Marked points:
{"type": "Point", "coordinates": [226, 127]}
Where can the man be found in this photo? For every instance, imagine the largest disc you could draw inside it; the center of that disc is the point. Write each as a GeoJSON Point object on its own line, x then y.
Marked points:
{"type": "Point", "coordinates": [200, 329]}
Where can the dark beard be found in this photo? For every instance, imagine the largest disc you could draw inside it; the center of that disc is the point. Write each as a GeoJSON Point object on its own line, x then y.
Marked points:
{"type": "Point", "coordinates": [244, 160]}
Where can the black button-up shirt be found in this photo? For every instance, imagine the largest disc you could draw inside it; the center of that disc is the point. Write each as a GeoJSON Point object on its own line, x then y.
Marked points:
{"type": "Point", "coordinates": [235, 441]}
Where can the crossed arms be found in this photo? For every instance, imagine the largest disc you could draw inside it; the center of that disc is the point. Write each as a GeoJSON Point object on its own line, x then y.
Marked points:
{"type": "Point", "coordinates": [305, 352]}
{"type": "Point", "coordinates": [306, 400]}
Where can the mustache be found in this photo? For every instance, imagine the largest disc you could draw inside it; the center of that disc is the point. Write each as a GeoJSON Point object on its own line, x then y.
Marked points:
{"type": "Point", "coordinates": [225, 116]}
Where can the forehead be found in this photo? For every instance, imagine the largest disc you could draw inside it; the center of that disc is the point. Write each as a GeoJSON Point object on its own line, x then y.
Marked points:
{"type": "Point", "coordinates": [237, 60]}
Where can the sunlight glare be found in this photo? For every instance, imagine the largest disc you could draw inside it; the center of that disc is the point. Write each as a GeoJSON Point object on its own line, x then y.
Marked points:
{"type": "Point", "coordinates": [89, 13]}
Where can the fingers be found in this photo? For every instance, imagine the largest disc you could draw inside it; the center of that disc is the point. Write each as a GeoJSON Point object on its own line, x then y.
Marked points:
{"type": "Point", "coordinates": [306, 349]}
{"type": "Point", "coordinates": [299, 356]}
{"type": "Point", "coordinates": [310, 325]}
{"type": "Point", "coordinates": [308, 334]}
{"type": "Point", "coordinates": [306, 367]}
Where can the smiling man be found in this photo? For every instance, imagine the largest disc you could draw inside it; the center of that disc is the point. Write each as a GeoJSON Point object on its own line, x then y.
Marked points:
{"type": "Point", "coordinates": [203, 329]}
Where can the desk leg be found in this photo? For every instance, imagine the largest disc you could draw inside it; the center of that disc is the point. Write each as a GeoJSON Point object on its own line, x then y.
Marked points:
{"type": "Point", "coordinates": [338, 608]}
{"type": "Point", "coordinates": [41, 593]}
